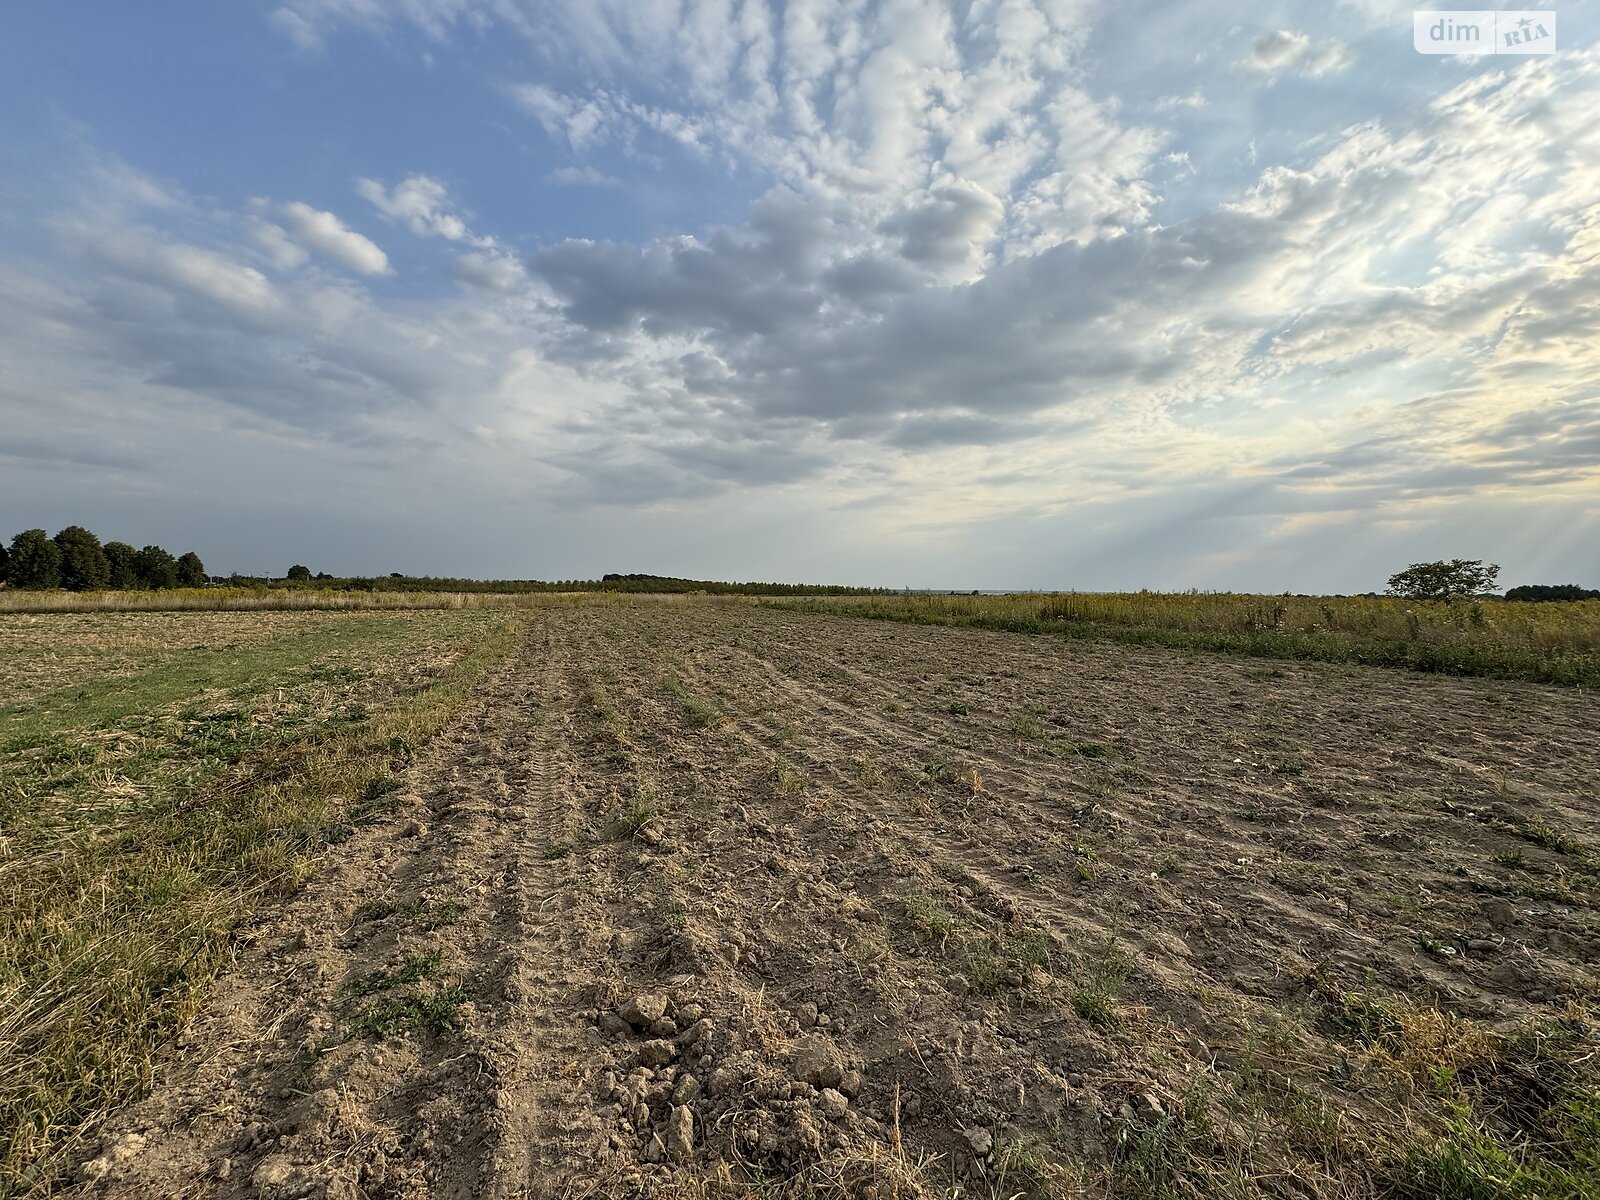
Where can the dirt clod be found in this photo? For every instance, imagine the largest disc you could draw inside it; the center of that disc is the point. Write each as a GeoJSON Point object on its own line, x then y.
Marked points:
{"type": "Point", "coordinates": [643, 1010]}
{"type": "Point", "coordinates": [680, 1133]}
{"type": "Point", "coordinates": [657, 1052]}
{"type": "Point", "coordinates": [816, 1060]}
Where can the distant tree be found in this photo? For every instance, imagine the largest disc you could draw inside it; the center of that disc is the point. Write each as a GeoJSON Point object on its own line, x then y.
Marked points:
{"type": "Point", "coordinates": [83, 560]}
{"type": "Point", "coordinates": [157, 569]}
{"type": "Point", "coordinates": [34, 562]}
{"type": "Point", "coordinates": [5, 556]}
{"type": "Point", "coordinates": [122, 561]}
{"type": "Point", "coordinates": [191, 571]}
{"type": "Point", "coordinates": [1552, 591]}
{"type": "Point", "coordinates": [297, 572]}
{"type": "Point", "coordinates": [1444, 580]}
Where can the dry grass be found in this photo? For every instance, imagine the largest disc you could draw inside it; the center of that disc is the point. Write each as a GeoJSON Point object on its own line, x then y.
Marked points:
{"type": "Point", "coordinates": [147, 812]}
{"type": "Point", "coordinates": [1546, 642]}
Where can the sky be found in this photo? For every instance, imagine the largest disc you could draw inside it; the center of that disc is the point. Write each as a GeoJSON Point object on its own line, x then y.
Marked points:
{"type": "Point", "coordinates": [929, 293]}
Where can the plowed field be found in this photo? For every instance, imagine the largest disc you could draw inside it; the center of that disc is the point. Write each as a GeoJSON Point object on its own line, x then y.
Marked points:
{"type": "Point", "coordinates": [707, 899]}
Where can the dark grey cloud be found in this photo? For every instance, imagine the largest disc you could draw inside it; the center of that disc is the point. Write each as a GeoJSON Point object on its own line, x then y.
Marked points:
{"type": "Point", "coordinates": [945, 228]}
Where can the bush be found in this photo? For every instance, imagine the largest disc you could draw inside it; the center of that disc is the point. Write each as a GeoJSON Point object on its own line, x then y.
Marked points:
{"type": "Point", "coordinates": [34, 562]}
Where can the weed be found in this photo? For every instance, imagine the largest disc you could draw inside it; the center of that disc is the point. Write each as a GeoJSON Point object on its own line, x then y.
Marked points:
{"type": "Point", "coordinates": [377, 910]}
{"type": "Point", "coordinates": [446, 912]}
{"type": "Point", "coordinates": [1553, 839]}
{"type": "Point", "coordinates": [636, 815]}
{"type": "Point", "coordinates": [1094, 997]}
{"type": "Point", "coordinates": [1028, 727]}
{"type": "Point", "coordinates": [985, 973]}
{"type": "Point", "coordinates": [557, 850]}
{"type": "Point", "coordinates": [393, 1015]}
{"type": "Point", "coordinates": [1024, 1167]}
{"type": "Point", "coordinates": [1091, 750]}
{"type": "Point", "coordinates": [414, 968]}
{"type": "Point", "coordinates": [377, 788]}
{"type": "Point", "coordinates": [867, 773]}
{"type": "Point", "coordinates": [791, 781]}
{"type": "Point", "coordinates": [929, 915]}
{"type": "Point", "coordinates": [1433, 946]}
{"type": "Point", "coordinates": [378, 799]}
{"type": "Point", "coordinates": [1029, 950]}
{"type": "Point", "coordinates": [1510, 858]}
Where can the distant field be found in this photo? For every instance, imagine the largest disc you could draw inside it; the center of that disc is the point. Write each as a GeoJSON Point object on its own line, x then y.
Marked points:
{"type": "Point", "coordinates": [226, 599]}
{"type": "Point", "coordinates": [163, 776]}
{"type": "Point", "coordinates": [1542, 642]}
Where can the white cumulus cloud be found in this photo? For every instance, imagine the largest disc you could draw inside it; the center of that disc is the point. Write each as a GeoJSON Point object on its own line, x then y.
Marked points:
{"type": "Point", "coordinates": [323, 233]}
{"type": "Point", "coordinates": [422, 204]}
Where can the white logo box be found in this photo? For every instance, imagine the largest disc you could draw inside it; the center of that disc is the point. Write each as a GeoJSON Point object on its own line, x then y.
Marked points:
{"type": "Point", "coordinates": [1479, 31]}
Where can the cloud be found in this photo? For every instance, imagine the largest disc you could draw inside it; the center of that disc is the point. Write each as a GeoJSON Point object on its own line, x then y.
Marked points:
{"type": "Point", "coordinates": [975, 285]}
{"type": "Point", "coordinates": [1287, 49]}
{"type": "Point", "coordinates": [582, 177]}
{"type": "Point", "coordinates": [281, 250]}
{"type": "Point", "coordinates": [492, 272]}
{"type": "Point", "coordinates": [421, 204]}
{"type": "Point", "coordinates": [307, 23]}
{"type": "Point", "coordinates": [186, 271]}
{"type": "Point", "coordinates": [325, 234]}
{"type": "Point", "coordinates": [950, 227]}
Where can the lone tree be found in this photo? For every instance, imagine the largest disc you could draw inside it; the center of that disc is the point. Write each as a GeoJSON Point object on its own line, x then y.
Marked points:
{"type": "Point", "coordinates": [1443, 580]}
{"type": "Point", "coordinates": [157, 569]}
{"type": "Point", "coordinates": [123, 561]}
{"type": "Point", "coordinates": [83, 560]}
{"type": "Point", "coordinates": [297, 572]}
{"type": "Point", "coordinates": [191, 571]}
{"type": "Point", "coordinates": [35, 561]}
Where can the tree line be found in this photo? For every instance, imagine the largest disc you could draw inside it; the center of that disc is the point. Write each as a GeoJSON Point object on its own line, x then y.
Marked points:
{"type": "Point", "coordinates": [301, 576]}
{"type": "Point", "coordinates": [76, 559]}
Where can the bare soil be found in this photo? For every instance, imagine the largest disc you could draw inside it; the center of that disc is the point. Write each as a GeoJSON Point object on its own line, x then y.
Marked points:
{"type": "Point", "coordinates": [700, 897]}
